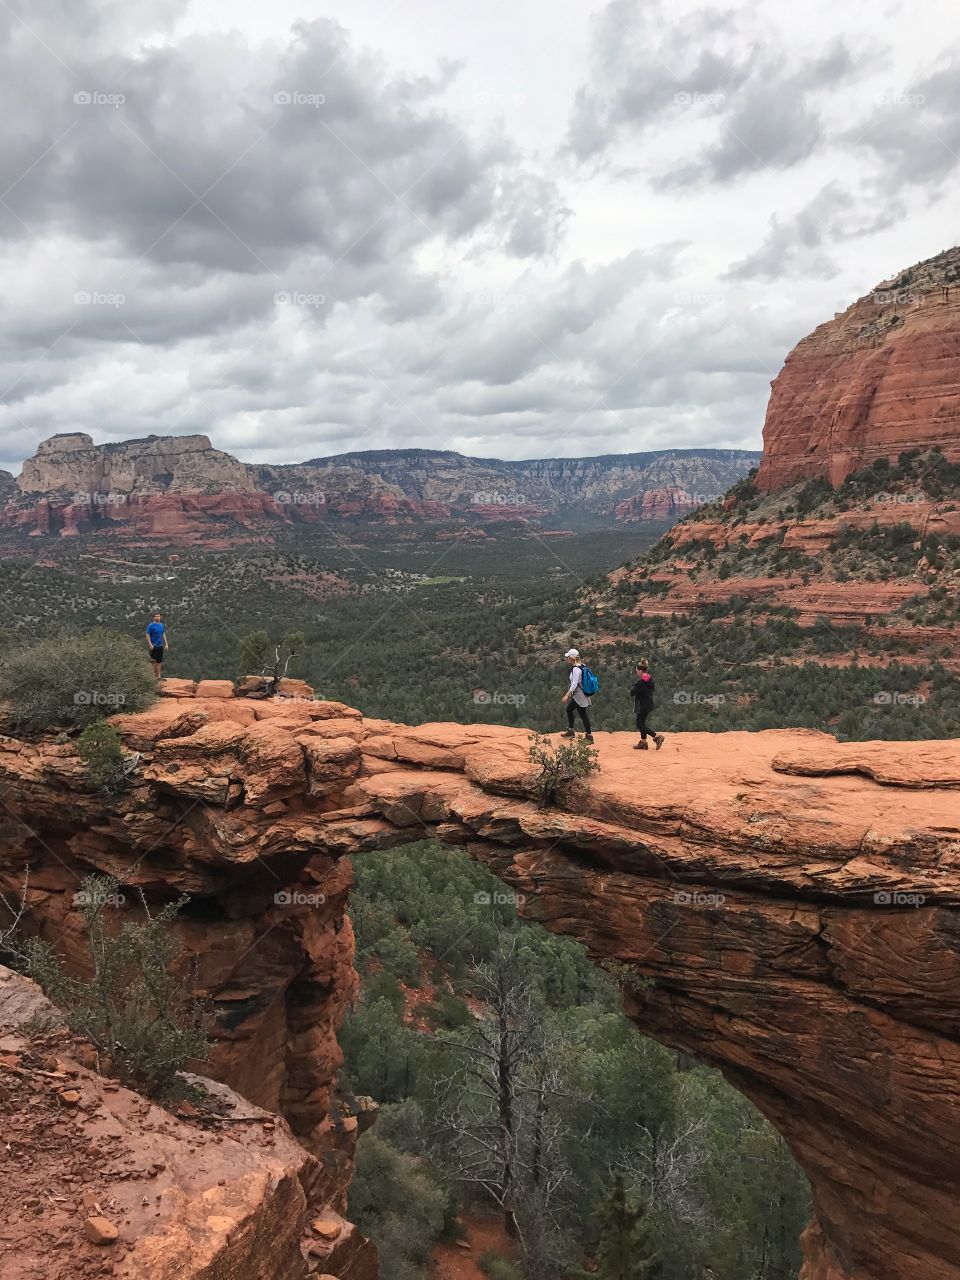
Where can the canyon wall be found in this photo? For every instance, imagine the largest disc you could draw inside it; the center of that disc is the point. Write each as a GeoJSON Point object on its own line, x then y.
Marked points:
{"type": "Point", "coordinates": [789, 908]}
{"type": "Point", "coordinates": [667, 504]}
{"type": "Point", "coordinates": [882, 377]}
{"type": "Point", "coordinates": [181, 490]}
{"type": "Point", "coordinates": [72, 463]}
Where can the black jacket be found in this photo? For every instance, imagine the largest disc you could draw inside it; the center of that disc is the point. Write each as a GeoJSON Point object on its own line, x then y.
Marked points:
{"type": "Point", "coordinates": [642, 695]}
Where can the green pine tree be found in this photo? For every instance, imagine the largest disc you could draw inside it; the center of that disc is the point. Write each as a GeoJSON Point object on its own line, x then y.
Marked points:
{"type": "Point", "coordinates": [625, 1251]}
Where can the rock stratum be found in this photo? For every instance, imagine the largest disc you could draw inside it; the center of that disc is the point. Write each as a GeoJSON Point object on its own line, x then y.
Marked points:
{"type": "Point", "coordinates": [96, 1180]}
{"type": "Point", "coordinates": [181, 490]}
{"type": "Point", "coordinates": [789, 908]}
{"type": "Point", "coordinates": [881, 377]}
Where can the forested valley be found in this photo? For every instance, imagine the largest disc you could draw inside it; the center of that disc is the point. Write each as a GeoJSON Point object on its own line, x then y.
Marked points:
{"type": "Point", "coordinates": [512, 1087]}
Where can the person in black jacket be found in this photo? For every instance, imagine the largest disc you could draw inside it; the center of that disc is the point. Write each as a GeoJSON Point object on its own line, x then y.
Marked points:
{"type": "Point", "coordinates": [642, 695]}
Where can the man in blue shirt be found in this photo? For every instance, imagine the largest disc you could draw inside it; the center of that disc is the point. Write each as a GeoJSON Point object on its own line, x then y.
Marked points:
{"type": "Point", "coordinates": [157, 643]}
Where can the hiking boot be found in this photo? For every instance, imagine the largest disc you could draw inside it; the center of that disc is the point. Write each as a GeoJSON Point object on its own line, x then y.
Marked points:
{"type": "Point", "coordinates": [568, 733]}
{"type": "Point", "coordinates": [588, 737]}
{"type": "Point", "coordinates": [658, 740]}
{"type": "Point", "coordinates": [641, 746]}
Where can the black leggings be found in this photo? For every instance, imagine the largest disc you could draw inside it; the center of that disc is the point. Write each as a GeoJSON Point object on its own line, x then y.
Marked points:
{"type": "Point", "coordinates": [572, 708]}
{"type": "Point", "coordinates": [643, 726]}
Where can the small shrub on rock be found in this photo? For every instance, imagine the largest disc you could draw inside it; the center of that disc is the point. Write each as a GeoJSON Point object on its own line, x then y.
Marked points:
{"type": "Point", "coordinates": [73, 681]}
{"type": "Point", "coordinates": [136, 1007]}
{"type": "Point", "coordinates": [562, 766]}
{"type": "Point", "coordinates": [269, 659]}
{"type": "Point", "coordinates": [101, 750]}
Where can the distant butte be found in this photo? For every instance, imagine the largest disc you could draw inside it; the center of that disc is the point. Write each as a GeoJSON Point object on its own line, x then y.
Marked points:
{"type": "Point", "coordinates": [882, 377]}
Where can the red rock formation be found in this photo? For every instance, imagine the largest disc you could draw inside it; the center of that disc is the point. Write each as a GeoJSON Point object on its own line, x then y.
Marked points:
{"type": "Point", "coordinates": [229, 1193]}
{"type": "Point", "coordinates": [789, 905]}
{"type": "Point", "coordinates": [882, 377]}
{"type": "Point", "coordinates": [186, 519]}
{"type": "Point", "coordinates": [180, 489]}
{"type": "Point", "coordinates": [667, 504]}
{"type": "Point", "coordinates": [845, 601]}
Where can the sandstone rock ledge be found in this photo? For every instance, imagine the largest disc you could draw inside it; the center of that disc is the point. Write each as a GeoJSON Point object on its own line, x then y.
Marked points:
{"type": "Point", "coordinates": [95, 1180]}
{"type": "Point", "coordinates": [790, 908]}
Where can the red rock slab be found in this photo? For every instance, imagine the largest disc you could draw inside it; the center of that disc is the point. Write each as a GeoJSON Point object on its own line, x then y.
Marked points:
{"type": "Point", "coordinates": [290, 688]}
{"type": "Point", "coordinates": [922, 765]}
{"type": "Point", "coordinates": [173, 687]}
{"type": "Point", "coordinates": [216, 689]}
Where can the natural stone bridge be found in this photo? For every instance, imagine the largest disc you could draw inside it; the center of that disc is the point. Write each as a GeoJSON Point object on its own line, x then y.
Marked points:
{"type": "Point", "coordinates": [789, 906]}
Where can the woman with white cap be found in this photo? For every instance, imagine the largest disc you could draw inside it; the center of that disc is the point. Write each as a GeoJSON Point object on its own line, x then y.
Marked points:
{"type": "Point", "coordinates": [575, 699]}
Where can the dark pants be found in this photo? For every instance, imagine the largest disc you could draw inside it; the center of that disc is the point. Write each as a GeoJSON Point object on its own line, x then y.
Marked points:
{"type": "Point", "coordinates": [642, 713]}
{"type": "Point", "coordinates": [572, 709]}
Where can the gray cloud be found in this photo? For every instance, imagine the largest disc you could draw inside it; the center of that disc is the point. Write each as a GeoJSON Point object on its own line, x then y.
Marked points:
{"type": "Point", "coordinates": [319, 151]}
{"type": "Point", "coordinates": [649, 62]}
{"type": "Point", "coordinates": [805, 241]}
{"type": "Point", "coordinates": [914, 129]}
{"type": "Point", "coordinates": [299, 248]}
{"type": "Point", "coordinates": [755, 100]}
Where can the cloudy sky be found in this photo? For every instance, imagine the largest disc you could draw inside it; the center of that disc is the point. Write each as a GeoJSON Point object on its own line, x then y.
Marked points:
{"type": "Point", "coordinates": [518, 229]}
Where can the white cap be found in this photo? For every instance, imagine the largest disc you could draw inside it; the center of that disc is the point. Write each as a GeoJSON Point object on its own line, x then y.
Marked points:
{"type": "Point", "coordinates": [572, 653]}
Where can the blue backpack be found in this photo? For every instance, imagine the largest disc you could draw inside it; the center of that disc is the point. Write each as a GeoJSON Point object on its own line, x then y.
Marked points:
{"type": "Point", "coordinates": [588, 681]}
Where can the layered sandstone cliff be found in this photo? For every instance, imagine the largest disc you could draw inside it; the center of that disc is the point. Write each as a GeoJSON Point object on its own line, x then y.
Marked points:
{"type": "Point", "coordinates": [717, 559]}
{"type": "Point", "coordinates": [657, 505]}
{"type": "Point", "coordinates": [73, 464]}
{"type": "Point", "coordinates": [881, 377]}
{"type": "Point", "coordinates": [788, 906]}
{"type": "Point", "coordinates": [181, 490]}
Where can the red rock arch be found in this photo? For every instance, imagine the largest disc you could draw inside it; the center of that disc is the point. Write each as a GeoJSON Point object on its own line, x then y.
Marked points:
{"type": "Point", "coordinates": [789, 905]}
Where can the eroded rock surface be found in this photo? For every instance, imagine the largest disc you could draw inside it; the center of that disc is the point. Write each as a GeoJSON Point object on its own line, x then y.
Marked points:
{"type": "Point", "coordinates": [882, 377]}
{"type": "Point", "coordinates": [789, 905]}
{"type": "Point", "coordinates": [95, 1180]}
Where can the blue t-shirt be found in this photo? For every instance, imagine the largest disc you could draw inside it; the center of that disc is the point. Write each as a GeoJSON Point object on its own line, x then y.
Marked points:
{"type": "Point", "coordinates": [155, 632]}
